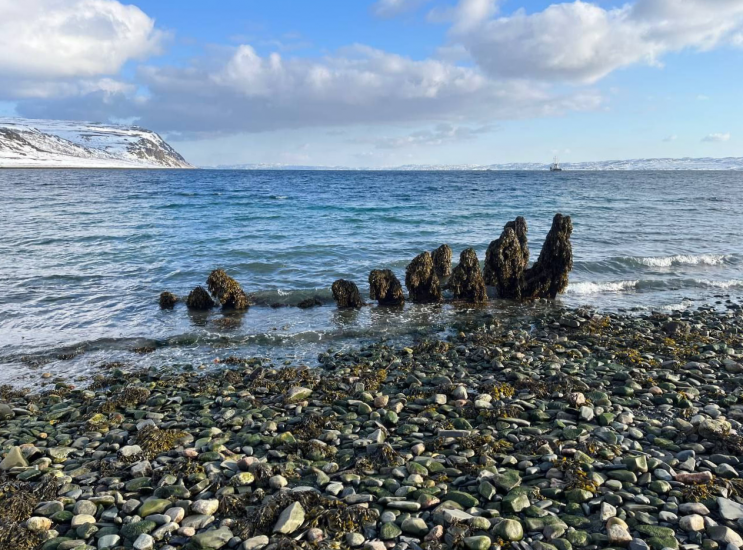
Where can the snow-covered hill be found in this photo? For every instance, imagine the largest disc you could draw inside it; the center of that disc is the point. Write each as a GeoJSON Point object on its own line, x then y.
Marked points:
{"type": "Point", "coordinates": [26, 143]}
{"type": "Point", "coordinates": [729, 163]}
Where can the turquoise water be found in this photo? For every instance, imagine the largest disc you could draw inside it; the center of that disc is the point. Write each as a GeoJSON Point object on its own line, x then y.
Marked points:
{"type": "Point", "coordinates": [84, 254]}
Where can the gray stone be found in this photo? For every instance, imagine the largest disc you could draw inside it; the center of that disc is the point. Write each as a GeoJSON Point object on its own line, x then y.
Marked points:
{"type": "Point", "coordinates": [144, 542]}
{"type": "Point", "coordinates": [255, 543]}
{"type": "Point", "coordinates": [14, 459]}
{"type": "Point", "coordinates": [212, 540]}
{"type": "Point", "coordinates": [290, 519]}
{"type": "Point", "coordinates": [725, 535]}
{"type": "Point", "coordinates": [730, 510]}
{"type": "Point", "coordinates": [108, 541]}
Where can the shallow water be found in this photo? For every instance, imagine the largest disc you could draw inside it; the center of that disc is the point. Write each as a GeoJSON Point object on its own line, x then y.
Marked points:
{"type": "Point", "coordinates": [84, 254]}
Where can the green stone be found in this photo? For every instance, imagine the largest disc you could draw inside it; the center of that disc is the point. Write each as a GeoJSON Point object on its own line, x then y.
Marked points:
{"type": "Point", "coordinates": [507, 480]}
{"type": "Point", "coordinates": [655, 531]}
{"type": "Point", "coordinates": [65, 516]}
{"type": "Point", "coordinates": [562, 544]}
{"type": "Point", "coordinates": [625, 476]}
{"type": "Point", "coordinates": [659, 543]}
{"type": "Point", "coordinates": [465, 500]}
{"type": "Point", "coordinates": [153, 506]}
{"type": "Point", "coordinates": [576, 521]}
{"type": "Point", "coordinates": [577, 538]}
{"type": "Point", "coordinates": [659, 486]}
{"type": "Point", "coordinates": [137, 484]}
{"type": "Point", "coordinates": [509, 529]}
{"type": "Point", "coordinates": [415, 468]}
{"type": "Point", "coordinates": [172, 491]}
{"type": "Point", "coordinates": [486, 490]}
{"type": "Point", "coordinates": [132, 530]}
{"type": "Point", "coordinates": [579, 495]}
{"type": "Point", "coordinates": [636, 463]}
{"type": "Point", "coordinates": [285, 438]}
{"type": "Point", "coordinates": [389, 531]}
{"type": "Point", "coordinates": [477, 543]}
{"type": "Point", "coordinates": [516, 500]}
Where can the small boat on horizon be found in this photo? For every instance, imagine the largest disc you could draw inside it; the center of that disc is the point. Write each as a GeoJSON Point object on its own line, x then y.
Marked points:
{"type": "Point", "coordinates": [555, 166]}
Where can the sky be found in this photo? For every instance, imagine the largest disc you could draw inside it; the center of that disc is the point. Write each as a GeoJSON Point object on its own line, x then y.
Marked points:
{"type": "Point", "coordinates": [378, 83]}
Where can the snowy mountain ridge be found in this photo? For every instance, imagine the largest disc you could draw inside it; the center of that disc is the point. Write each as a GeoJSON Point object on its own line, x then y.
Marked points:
{"type": "Point", "coordinates": [26, 143]}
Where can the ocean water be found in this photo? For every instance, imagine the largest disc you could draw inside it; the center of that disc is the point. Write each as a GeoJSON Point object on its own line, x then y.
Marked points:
{"type": "Point", "coordinates": [84, 254]}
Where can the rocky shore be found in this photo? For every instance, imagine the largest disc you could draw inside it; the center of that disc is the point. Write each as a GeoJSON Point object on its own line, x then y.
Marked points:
{"type": "Point", "coordinates": [570, 429]}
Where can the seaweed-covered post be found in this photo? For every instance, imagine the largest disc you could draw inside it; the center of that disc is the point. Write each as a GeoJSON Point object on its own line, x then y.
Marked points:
{"type": "Point", "coordinates": [346, 294]}
{"type": "Point", "coordinates": [548, 277]}
{"type": "Point", "coordinates": [506, 260]}
{"type": "Point", "coordinates": [442, 260]}
{"type": "Point", "coordinates": [199, 300]}
{"type": "Point", "coordinates": [168, 300]}
{"type": "Point", "coordinates": [226, 290]}
{"type": "Point", "coordinates": [423, 284]}
{"type": "Point", "coordinates": [466, 280]}
{"type": "Point", "coordinates": [385, 287]}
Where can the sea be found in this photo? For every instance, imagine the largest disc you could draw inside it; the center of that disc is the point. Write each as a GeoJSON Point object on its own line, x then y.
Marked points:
{"type": "Point", "coordinates": [84, 255]}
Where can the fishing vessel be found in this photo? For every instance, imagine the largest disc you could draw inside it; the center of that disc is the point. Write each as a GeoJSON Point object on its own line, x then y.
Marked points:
{"type": "Point", "coordinates": [555, 166]}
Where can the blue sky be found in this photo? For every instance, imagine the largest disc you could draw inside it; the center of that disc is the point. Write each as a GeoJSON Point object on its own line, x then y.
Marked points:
{"type": "Point", "coordinates": [387, 82]}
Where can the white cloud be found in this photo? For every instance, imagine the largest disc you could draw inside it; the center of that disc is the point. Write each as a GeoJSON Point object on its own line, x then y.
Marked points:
{"type": "Point", "coordinates": [466, 15]}
{"type": "Point", "coordinates": [247, 92]}
{"type": "Point", "coordinates": [583, 42]}
{"type": "Point", "coordinates": [716, 138]}
{"type": "Point", "coordinates": [392, 8]}
{"type": "Point", "coordinates": [47, 45]}
{"type": "Point", "coordinates": [68, 38]}
{"type": "Point", "coordinates": [441, 135]}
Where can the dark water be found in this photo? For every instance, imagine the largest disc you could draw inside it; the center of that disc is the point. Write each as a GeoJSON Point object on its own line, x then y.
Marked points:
{"type": "Point", "coordinates": [84, 254]}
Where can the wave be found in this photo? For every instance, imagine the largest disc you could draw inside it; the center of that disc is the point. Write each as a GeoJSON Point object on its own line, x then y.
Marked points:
{"type": "Point", "coordinates": [588, 287]}
{"type": "Point", "coordinates": [631, 264]}
{"type": "Point", "coordinates": [682, 259]}
{"type": "Point", "coordinates": [733, 283]}
{"type": "Point", "coordinates": [591, 287]}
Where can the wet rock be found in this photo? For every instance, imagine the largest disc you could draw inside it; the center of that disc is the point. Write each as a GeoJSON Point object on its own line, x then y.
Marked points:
{"type": "Point", "coordinates": [421, 280]}
{"type": "Point", "coordinates": [227, 291]}
{"type": "Point", "coordinates": [309, 303]}
{"type": "Point", "coordinates": [346, 294]}
{"type": "Point", "coordinates": [168, 300]}
{"type": "Point", "coordinates": [442, 260]}
{"type": "Point", "coordinates": [199, 300]}
{"type": "Point", "coordinates": [385, 287]}
{"type": "Point", "coordinates": [466, 281]}
{"type": "Point", "coordinates": [548, 277]}
{"type": "Point", "coordinates": [506, 260]}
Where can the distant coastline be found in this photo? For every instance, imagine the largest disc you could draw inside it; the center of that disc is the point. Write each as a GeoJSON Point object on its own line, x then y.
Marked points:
{"type": "Point", "coordinates": [659, 164]}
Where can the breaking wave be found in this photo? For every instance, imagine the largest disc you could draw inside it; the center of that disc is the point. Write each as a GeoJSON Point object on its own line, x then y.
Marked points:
{"type": "Point", "coordinates": [588, 287]}
{"type": "Point", "coordinates": [682, 259]}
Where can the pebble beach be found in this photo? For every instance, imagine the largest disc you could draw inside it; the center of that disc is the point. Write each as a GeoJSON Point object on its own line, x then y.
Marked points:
{"type": "Point", "coordinates": [567, 429]}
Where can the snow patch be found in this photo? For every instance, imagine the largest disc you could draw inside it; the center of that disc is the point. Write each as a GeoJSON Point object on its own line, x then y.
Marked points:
{"type": "Point", "coordinates": [26, 143]}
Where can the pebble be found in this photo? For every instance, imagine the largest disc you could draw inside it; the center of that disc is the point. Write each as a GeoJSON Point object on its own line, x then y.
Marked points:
{"type": "Point", "coordinates": [572, 430]}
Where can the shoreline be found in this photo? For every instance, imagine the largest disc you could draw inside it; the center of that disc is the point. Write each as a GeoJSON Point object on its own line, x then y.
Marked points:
{"type": "Point", "coordinates": [572, 429]}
